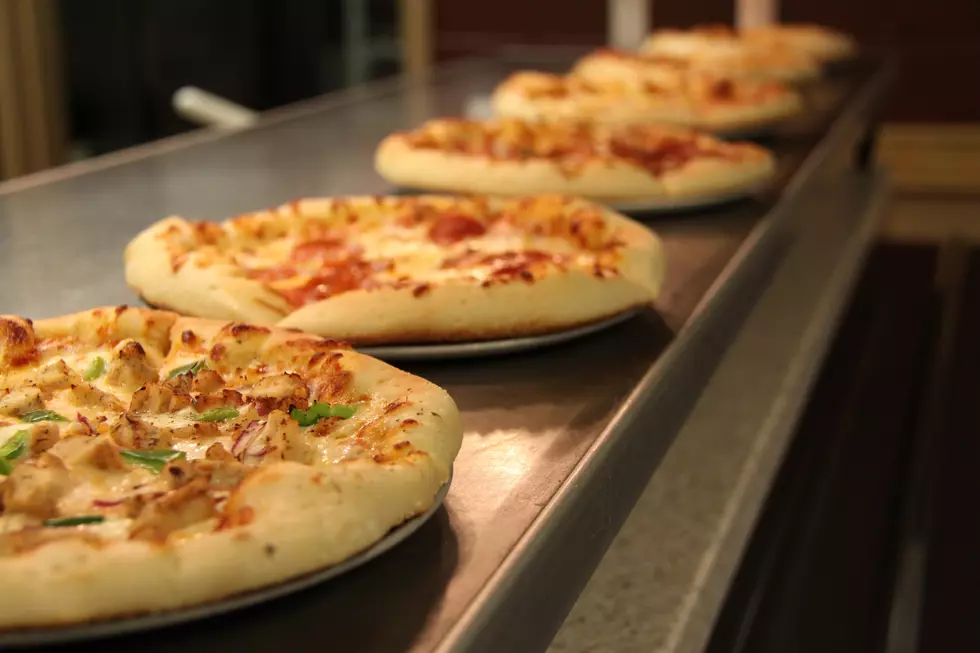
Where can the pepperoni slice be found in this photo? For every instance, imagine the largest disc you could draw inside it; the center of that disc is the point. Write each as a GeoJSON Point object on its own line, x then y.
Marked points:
{"type": "Point", "coordinates": [272, 274]}
{"type": "Point", "coordinates": [323, 249]}
{"type": "Point", "coordinates": [723, 89]}
{"type": "Point", "coordinates": [328, 282]}
{"type": "Point", "coordinates": [669, 154]}
{"type": "Point", "coordinates": [517, 265]}
{"type": "Point", "coordinates": [451, 228]}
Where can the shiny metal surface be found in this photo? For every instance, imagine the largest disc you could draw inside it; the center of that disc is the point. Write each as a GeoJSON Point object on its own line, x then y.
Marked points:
{"type": "Point", "coordinates": [641, 208]}
{"type": "Point", "coordinates": [479, 349]}
{"type": "Point", "coordinates": [558, 441]}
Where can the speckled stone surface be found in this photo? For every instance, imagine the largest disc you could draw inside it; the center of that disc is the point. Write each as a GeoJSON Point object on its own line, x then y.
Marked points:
{"type": "Point", "coordinates": [665, 575]}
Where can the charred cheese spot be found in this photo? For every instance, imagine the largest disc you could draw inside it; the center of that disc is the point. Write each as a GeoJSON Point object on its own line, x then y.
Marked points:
{"type": "Point", "coordinates": [17, 345]}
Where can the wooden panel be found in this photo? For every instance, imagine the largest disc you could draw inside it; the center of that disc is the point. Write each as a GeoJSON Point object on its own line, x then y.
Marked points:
{"type": "Point", "coordinates": [31, 113]}
{"type": "Point", "coordinates": [936, 41]}
{"type": "Point", "coordinates": [932, 158]}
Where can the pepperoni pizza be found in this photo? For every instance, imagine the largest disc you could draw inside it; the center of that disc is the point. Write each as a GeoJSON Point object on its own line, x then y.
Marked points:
{"type": "Point", "coordinates": [709, 102]}
{"type": "Point", "coordinates": [392, 270]}
{"type": "Point", "coordinates": [514, 157]}
{"type": "Point", "coordinates": [672, 70]}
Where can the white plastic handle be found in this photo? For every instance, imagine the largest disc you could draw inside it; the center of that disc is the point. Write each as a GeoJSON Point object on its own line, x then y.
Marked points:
{"type": "Point", "coordinates": [628, 22]}
{"type": "Point", "coordinates": [207, 109]}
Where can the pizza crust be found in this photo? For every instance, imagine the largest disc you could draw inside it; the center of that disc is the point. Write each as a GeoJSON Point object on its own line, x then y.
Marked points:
{"type": "Point", "coordinates": [664, 69]}
{"type": "Point", "coordinates": [447, 311]}
{"type": "Point", "coordinates": [305, 518]}
{"type": "Point", "coordinates": [452, 312]}
{"type": "Point", "coordinates": [211, 292]}
{"type": "Point", "coordinates": [511, 99]}
{"type": "Point", "coordinates": [820, 42]}
{"type": "Point", "coordinates": [428, 169]}
{"type": "Point", "coordinates": [761, 58]}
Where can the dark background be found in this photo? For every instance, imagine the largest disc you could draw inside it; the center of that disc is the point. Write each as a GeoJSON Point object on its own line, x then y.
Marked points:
{"type": "Point", "coordinates": [125, 58]}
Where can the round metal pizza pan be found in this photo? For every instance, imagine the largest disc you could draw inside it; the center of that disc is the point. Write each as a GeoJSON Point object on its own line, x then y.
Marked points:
{"type": "Point", "coordinates": [678, 204]}
{"type": "Point", "coordinates": [67, 634]}
{"type": "Point", "coordinates": [664, 204]}
{"type": "Point", "coordinates": [443, 351]}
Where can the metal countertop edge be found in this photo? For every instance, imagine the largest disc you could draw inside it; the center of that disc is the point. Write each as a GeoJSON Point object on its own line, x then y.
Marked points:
{"type": "Point", "coordinates": [786, 407]}
{"type": "Point", "coordinates": [586, 477]}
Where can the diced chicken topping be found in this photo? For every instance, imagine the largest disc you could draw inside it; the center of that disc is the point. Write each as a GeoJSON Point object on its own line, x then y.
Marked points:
{"type": "Point", "coordinates": [130, 432]}
{"type": "Point", "coordinates": [100, 452]}
{"type": "Point", "coordinates": [219, 475]}
{"type": "Point", "coordinates": [57, 376]}
{"type": "Point", "coordinates": [17, 401]}
{"type": "Point", "coordinates": [207, 381]}
{"type": "Point", "coordinates": [151, 398]}
{"type": "Point", "coordinates": [217, 400]}
{"type": "Point", "coordinates": [195, 431]}
{"type": "Point", "coordinates": [43, 436]}
{"type": "Point", "coordinates": [281, 386]}
{"type": "Point", "coordinates": [180, 384]}
{"type": "Point", "coordinates": [86, 394]}
{"type": "Point", "coordinates": [174, 511]}
{"type": "Point", "coordinates": [35, 487]}
{"type": "Point", "coordinates": [129, 368]}
{"type": "Point", "coordinates": [278, 438]}
{"type": "Point", "coordinates": [217, 452]}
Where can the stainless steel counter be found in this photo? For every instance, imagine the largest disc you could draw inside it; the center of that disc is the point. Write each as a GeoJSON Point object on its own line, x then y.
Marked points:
{"type": "Point", "coordinates": [559, 443]}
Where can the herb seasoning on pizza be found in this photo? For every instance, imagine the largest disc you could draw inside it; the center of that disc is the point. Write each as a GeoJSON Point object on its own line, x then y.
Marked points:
{"type": "Point", "coordinates": [512, 157]}
{"type": "Point", "coordinates": [151, 462]}
{"type": "Point", "coordinates": [372, 270]}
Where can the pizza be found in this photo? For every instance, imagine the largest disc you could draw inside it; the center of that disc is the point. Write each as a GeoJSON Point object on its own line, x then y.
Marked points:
{"type": "Point", "coordinates": [509, 156]}
{"type": "Point", "coordinates": [151, 462]}
{"type": "Point", "coordinates": [398, 270]}
{"type": "Point", "coordinates": [716, 104]}
{"type": "Point", "coordinates": [822, 43]}
{"type": "Point", "coordinates": [721, 50]}
{"type": "Point", "coordinates": [717, 39]}
{"type": "Point", "coordinates": [675, 71]}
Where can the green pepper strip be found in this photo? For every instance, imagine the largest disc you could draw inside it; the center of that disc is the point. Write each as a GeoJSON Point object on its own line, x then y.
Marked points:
{"type": "Point", "coordinates": [95, 369]}
{"type": "Point", "coordinates": [154, 460]}
{"type": "Point", "coordinates": [81, 520]}
{"type": "Point", "coordinates": [190, 368]}
{"type": "Point", "coordinates": [217, 414]}
{"type": "Point", "coordinates": [14, 446]}
{"type": "Point", "coordinates": [42, 416]}
{"type": "Point", "coordinates": [321, 410]}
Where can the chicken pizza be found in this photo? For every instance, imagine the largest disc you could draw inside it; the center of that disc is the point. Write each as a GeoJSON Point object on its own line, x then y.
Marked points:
{"type": "Point", "coordinates": [151, 462]}
{"type": "Point", "coordinates": [399, 270]}
{"type": "Point", "coordinates": [510, 156]}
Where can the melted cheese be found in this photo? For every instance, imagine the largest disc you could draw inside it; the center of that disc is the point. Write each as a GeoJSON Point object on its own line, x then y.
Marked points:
{"type": "Point", "coordinates": [102, 491]}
